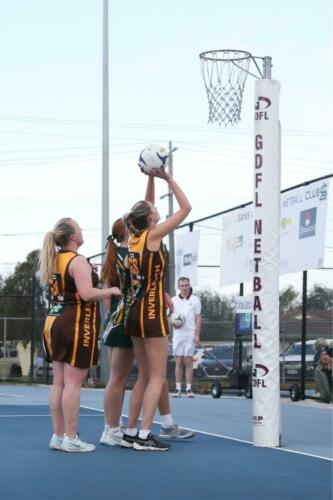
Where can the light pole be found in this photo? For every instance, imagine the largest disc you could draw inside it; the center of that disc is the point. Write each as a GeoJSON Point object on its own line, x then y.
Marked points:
{"type": "Point", "coordinates": [105, 129]}
{"type": "Point", "coordinates": [171, 235]}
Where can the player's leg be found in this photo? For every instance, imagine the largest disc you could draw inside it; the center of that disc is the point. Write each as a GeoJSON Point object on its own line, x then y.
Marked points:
{"type": "Point", "coordinates": [137, 393]}
{"type": "Point", "coordinates": [120, 362]}
{"type": "Point", "coordinates": [55, 401]}
{"type": "Point", "coordinates": [169, 429]}
{"type": "Point", "coordinates": [156, 349]}
{"type": "Point", "coordinates": [73, 378]}
{"type": "Point", "coordinates": [121, 365]}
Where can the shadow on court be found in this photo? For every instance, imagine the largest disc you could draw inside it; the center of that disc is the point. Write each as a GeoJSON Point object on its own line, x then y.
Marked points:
{"type": "Point", "coordinates": [206, 467]}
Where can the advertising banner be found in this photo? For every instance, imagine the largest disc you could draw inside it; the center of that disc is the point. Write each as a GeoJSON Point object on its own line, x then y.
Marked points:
{"type": "Point", "coordinates": [302, 234]}
{"type": "Point", "coordinates": [187, 249]}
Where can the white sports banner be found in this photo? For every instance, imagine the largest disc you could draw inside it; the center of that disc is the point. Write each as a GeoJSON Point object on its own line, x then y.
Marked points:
{"type": "Point", "coordinates": [266, 416]}
{"type": "Point", "coordinates": [302, 234]}
{"type": "Point", "coordinates": [236, 247]}
{"type": "Point", "coordinates": [302, 228]}
{"type": "Point", "coordinates": [187, 249]}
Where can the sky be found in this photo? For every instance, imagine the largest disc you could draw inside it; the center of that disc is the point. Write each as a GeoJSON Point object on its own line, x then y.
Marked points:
{"type": "Point", "coordinates": [51, 109]}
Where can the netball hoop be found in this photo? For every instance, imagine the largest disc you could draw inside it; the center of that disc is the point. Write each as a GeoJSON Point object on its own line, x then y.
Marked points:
{"type": "Point", "coordinates": [224, 73]}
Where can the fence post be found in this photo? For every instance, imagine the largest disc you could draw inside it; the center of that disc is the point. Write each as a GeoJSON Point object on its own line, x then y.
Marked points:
{"type": "Point", "coordinates": [304, 308]}
{"type": "Point", "coordinates": [32, 331]}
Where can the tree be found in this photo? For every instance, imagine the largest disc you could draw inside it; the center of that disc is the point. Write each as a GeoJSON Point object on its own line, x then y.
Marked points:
{"type": "Point", "coordinates": [288, 299]}
{"type": "Point", "coordinates": [321, 297]}
{"type": "Point", "coordinates": [16, 300]}
{"type": "Point", "coordinates": [215, 307]}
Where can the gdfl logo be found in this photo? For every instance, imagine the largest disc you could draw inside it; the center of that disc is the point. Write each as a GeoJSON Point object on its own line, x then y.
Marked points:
{"type": "Point", "coordinates": [260, 108]}
{"type": "Point", "coordinates": [258, 373]}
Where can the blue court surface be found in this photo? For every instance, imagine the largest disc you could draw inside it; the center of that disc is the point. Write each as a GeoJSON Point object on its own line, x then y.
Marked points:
{"type": "Point", "coordinates": [220, 462]}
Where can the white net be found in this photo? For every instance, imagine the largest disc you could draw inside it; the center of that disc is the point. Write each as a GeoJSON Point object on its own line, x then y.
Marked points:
{"type": "Point", "coordinates": [224, 73]}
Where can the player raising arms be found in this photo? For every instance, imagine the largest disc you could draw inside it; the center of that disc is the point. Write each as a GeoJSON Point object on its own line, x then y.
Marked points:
{"type": "Point", "coordinates": [146, 321]}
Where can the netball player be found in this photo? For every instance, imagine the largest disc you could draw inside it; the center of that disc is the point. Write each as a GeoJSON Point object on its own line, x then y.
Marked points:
{"type": "Point", "coordinates": [146, 321]}
{"type": "Point", "coordinates": [71, 328]}
{"type": "Point", "coordinates": [115, 271]}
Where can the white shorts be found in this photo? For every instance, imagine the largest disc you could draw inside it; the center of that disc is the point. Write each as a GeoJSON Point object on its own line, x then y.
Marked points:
{"type": "Point", "coordinates": [183, 345]}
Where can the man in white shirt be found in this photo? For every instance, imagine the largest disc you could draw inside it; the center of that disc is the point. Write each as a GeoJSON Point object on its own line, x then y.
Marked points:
{"type": "Point", "coordinates": [186, 336]}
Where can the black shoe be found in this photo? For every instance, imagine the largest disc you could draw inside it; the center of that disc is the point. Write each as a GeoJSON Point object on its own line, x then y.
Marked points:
{"type": "Point", "coordinates": [150, 444]}
{"type": "Point", "coordinates": [128, 441]}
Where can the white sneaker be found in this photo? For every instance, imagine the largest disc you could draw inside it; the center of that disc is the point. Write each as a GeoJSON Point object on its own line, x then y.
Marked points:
{"type": "Point", "coordinates": [110, 438]}
{"type": "Point", "coordinates": [76, 445]}
{"type": "Point", "coordinates": [103, 436]}
{"type": "Point", "coordinates": [175, 432]}
{"type": "Point", "coordinates": [56, 442]}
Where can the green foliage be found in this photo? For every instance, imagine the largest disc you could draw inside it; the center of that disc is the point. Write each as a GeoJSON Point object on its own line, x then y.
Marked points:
{"type": "Point", "coordinates": [215, 307]}
{"type": "Point", "coordinates": [321, 297]}
{"type": "Point", "coordinates": [288, 299]}
{"type": "Point", "coordinates": [16, 300]}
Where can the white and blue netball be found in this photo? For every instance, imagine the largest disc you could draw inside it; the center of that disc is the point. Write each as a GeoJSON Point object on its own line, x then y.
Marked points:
{"type": "Point", "coordinates": [153, 156]}
{"type": "Point", "coordinates": [177, 320]}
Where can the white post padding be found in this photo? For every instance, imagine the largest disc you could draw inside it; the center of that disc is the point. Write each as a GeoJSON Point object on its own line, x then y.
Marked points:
{"type": "Point", "coordinates": [266, 203]}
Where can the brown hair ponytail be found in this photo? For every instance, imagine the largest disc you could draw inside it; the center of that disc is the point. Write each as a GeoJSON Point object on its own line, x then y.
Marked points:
{"type": "Point", "coordinates": [138, 218]}
{"type": "Point", "coordinates": [109, 269]}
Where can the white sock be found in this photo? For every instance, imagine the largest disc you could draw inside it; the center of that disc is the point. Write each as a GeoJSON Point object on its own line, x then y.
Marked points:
{"type": "Point", "coordinates": [121, 421]}
{"type": "Point", "coordinates": [114, 429]}
{"type": "Point", "coordinates": [188, 387]}
{"type": "Point", "coordinates": [166, 420]}
{"type": "Point", "coordinates": [106, 427]}
{"type": "Point", "coordinates": [144, 433]}
{"type": "Point", "coordinates": [132, 432]}
{"type": "Point", "coordinates": [178, 386]}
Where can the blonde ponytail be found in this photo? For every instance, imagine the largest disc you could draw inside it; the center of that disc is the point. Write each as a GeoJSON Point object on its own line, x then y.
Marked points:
{"type": "Point", "coordinates": [47, 258]}
{"type": "Point", "coordinates": [59, 237]}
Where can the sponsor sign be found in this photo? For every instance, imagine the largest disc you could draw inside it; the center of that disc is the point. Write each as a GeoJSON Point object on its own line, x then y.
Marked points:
{"type": "Point", "coordinates": [302, 234]}
{"type": "Point", "coordinates": [187, 249]}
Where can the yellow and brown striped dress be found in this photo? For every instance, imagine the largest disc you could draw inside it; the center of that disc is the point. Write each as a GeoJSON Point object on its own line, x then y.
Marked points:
{"type": "Point", "coordinates": [72, 326]}
{"type": "Point", "coordinates": [147, 315]}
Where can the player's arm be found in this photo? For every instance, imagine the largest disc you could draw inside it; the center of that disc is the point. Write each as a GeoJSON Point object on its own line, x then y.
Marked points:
{"type": "Point", "coordinates": [150, 190]}
{"type": "Point", "coordinates": [80, 270]}
{"type": "Point", "coordinates": [157, 233]}
{"type": "Point", "coordinates": [169, 303]}
{"type": "Point", "coordinates": [107, 305]}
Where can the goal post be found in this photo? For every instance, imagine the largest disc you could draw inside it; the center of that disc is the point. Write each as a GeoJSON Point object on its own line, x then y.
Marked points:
{"type": "Point", "coordinates": [224, 73]}
{"type": "Point", "coordinates": [266, 231]}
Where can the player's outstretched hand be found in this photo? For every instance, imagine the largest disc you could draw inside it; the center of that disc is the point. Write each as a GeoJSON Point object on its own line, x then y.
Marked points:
{"type": "Point", "coordinates": [161, 173]}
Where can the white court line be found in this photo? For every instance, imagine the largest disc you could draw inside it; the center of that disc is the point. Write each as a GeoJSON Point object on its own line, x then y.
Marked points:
{"type": "Point", "coordinates": [11, 395]}
{"type": "Point", "coordinates": [235, 439]}
{"type": "Point", "coordinates": [187, 428]}
{"type": "Point", "coordinates": [43, 415]}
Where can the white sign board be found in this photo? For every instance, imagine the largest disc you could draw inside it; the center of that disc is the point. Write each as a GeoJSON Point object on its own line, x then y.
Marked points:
{"type": "Point", "coordinates": [302, 234]}
{"type": "Point", "coordinates": [187, 249]}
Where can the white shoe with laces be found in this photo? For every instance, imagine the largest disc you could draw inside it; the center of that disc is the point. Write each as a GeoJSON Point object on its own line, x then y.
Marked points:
{"type": "Point", "coordinates": [110, 438]}
{"type": "Point", "coordinates": [75, 445]}
{"type": "Point", "coordinates": [56, 442]}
